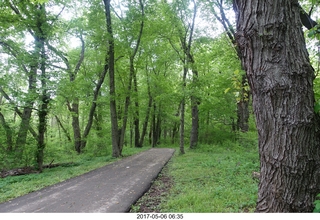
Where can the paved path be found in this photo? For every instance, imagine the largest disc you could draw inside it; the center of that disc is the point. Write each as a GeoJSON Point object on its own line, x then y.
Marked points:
{"type": "Point", "coordinates": [112, 188]}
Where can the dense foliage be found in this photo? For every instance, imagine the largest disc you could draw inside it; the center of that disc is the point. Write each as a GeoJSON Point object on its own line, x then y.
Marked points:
{"type": "Point", "coordinates": [55, 96]}
{"type": "Point", "coordinates": [157, 71]}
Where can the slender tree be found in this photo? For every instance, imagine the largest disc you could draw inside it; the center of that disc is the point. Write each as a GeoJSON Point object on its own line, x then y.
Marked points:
{"type": "Point", "coordinates": [109, 62]}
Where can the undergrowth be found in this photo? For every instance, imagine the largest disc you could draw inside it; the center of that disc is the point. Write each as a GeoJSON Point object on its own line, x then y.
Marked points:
{"type": "Point", "coordinates": [213, 179]}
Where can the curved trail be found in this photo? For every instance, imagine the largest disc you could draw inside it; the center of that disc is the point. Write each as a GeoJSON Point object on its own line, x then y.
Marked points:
{"type": "Point", "coordinates": [112, 188]}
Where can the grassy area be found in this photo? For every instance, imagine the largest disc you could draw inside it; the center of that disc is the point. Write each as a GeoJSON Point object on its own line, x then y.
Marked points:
{"type": "Point", "coordinates": [15, 186]}
{"type": "Point", "coordinates": [210, 179]}
{"type": "Point", "coordinates": [213, 179]}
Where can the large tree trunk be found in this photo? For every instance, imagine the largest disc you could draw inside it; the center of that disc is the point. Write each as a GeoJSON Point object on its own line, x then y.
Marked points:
{"type": "Point", "coordinates": [275, 58]}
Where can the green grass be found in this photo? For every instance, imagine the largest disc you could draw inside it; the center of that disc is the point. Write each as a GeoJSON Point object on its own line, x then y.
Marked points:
{"type": "Point", "coordinates": [15, 186]}
{"type": "Point", "coordinates": [213, 179]}
{"type": "Point", "coordinates": [210, 179]}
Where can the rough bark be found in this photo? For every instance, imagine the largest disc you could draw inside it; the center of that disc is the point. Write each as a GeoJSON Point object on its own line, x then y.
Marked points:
{"type": "Point", "coordinates": [276, 61]}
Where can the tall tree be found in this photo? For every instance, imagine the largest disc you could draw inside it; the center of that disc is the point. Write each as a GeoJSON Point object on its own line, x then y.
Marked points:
{"type": "Point", "coordinates": [218, 9]}
{"type": "Point", "coordinates": [274, 54]}
{"type": "Point", "coordinates": [183, 28]}
{"type": "Point", "coordinates": [36, 24]}
{"type": "Point", "coordinates": [133, 44]}
{"type": "Point", "coordinates": [109, 62]}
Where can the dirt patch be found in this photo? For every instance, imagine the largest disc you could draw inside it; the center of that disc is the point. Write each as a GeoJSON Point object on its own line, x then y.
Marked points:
{"type": "Point", "coordinates": [150, 202]}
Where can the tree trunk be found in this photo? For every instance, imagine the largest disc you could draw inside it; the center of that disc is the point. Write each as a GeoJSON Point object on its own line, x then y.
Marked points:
{"type": "Point", "coordinates": [63, 128]}
{"type": "Point", "coordinates": [276, 61]}
{"type": "Point", "coordinates": [194, 136]}
{"type": "Point", "coordinates": [136, 120]}
{"type": "Point", "coordinates": [126, 105]}
{"type": "Point", "coordinates": [156, 133]}
{"type": "Point", "coordinates": [243, 104]}
{"type": "Point", "coordinates": [243, 108]}
{"type": "Point", "coordinates": [98, 125]}
{"type": "Point", "coordinates": [112, 90]}
{"type": "Point", "coordinates": [27, 111]}
{"type": "Point", "coordinates": [132, 77]}
{"type": "Point", "coordinates": [154, 126]}
{"type": "Point", "coordinates": [195, 102]}
{"type": "Point", "coordinates": [43, 108]}
{"type": "Point", "coordinates": [93, 108]}
{"type": "Point", "coordinates": [8, 133]}
{"type": "Point", "coordinates": [182, 109]}
{"type": "Point", "coordinates": [74, 109]}
{"type": "Point", "coordinates": [146, 120]}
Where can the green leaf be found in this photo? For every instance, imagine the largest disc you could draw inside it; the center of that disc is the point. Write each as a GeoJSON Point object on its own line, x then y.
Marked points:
{"type": "Point", "coordinates": [39, 1]}
{"type": "Point", "coordinates": [226, 91]}
{"type": "Point", "coordinates": [317, 107]}
{"type": "Point", "coordinates": [311, 33]}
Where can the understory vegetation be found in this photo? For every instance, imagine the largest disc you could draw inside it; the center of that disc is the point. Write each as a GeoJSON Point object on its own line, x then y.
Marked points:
{"type": "Point", "coordinates": [210, 179]}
